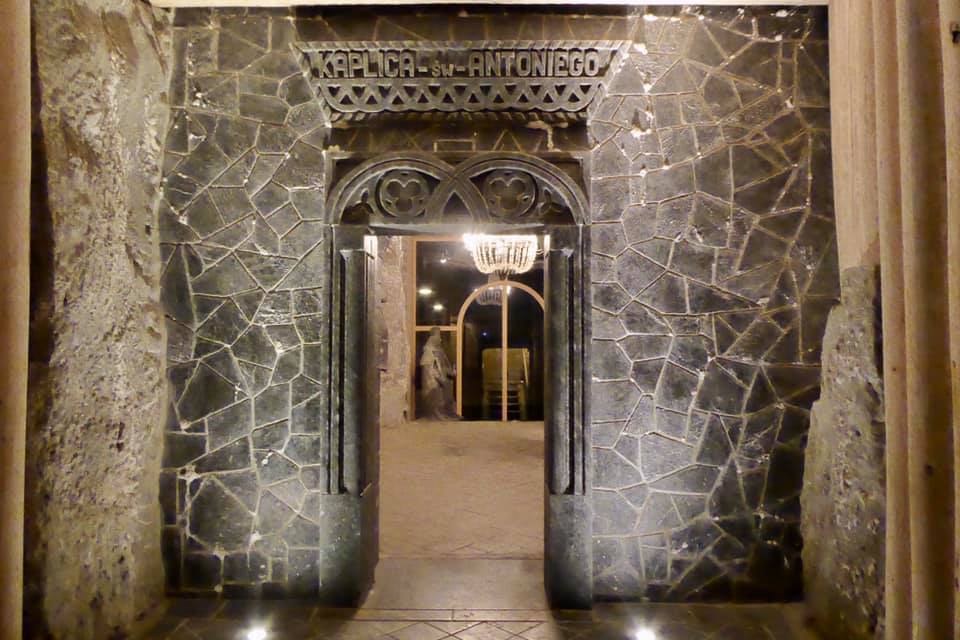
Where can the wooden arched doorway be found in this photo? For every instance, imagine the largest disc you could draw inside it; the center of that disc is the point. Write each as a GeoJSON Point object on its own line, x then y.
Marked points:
{"type": "Point", "coordinates": [505, 287]}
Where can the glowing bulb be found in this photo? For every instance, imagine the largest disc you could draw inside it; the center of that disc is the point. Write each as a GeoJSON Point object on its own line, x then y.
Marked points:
{"type": "Point", "coordinates": [256, 633]}
{"type": "Point", "coordinates": [443, 261]}
{"type": "Point", "coordinates": [644, 634]}
{"type": "Point", "coordinates": [425, 291]}
{"type": "Point", "coordinates": [438, 307]}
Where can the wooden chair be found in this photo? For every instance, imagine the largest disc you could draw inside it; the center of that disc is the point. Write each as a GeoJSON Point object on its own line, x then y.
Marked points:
{"type": "Point", "coordinates": [518, 382]}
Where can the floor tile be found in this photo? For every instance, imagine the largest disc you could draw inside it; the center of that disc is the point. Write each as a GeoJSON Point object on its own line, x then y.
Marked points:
{"type": "Point", "coordinates": [457, 583]}
{"type": "Point", "coordinates": [484, 631]}
{"type": "Point", "coordinates": [286, 621]}
{"type": "Point", "coordinates": [419, 631]}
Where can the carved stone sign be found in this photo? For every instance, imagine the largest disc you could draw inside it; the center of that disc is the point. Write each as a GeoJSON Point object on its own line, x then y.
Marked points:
{"type": "Point", "coordinates": [371, 77]}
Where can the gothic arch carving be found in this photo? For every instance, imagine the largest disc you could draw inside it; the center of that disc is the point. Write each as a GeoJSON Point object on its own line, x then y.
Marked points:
{"type": "Point", "coordinates": [498, 188]}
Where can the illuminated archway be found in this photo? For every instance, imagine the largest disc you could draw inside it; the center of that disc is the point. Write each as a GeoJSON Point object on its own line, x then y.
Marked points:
{"type": "Point", "coordinates": [504, 286]}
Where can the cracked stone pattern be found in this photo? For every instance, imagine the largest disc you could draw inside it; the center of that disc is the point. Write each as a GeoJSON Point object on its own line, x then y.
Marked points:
{"type": "Point", "coordinates": [713, 269]}
{"type": "Point", "coordinates": [245, 281]}
{"type": "Point", "coordinates": [714, 266]}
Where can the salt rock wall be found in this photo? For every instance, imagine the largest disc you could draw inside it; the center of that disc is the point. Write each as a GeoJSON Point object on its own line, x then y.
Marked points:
{"type": "Point", "coordinates": [394, 331]}
{"type": "Point", "coordinates": [714, 269]}
{"type": "Point", "coordinates": [246, 259]}
{"type": "Point", "coordinates": [843, 501]}
{"type": "Point", "coordinates": [96, 346]}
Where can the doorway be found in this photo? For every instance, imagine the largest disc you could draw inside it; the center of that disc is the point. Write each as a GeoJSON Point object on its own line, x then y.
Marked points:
{"type": "Point", "coordinates": [461, 496]}
{"type": "Point", "coordinates": [450, 196]}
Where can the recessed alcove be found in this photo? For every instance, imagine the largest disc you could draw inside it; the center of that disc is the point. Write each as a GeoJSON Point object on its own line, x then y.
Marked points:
{"type": "Point", "coordinates": [705, 166]}
{"type": "Point", "coordinates": [688, 209]}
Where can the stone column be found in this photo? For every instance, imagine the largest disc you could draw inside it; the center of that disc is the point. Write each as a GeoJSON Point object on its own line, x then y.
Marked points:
{"type": "Point", "coordinates": [14, 300]}
{"type": "Point", "coordinates": [949, 24]}
{"type": "Point", "coordinates": [898, 190]}
{"type": "Point", "coordinates": [926, 310]}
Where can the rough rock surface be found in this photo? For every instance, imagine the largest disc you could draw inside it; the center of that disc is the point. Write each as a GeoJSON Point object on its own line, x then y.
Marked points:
{"type": "Point", "coordinates": [95, 424]}
{"type": "Point", "coordinates": [393, 327]}
{"type": "Point", "coordinates": [843, 500]}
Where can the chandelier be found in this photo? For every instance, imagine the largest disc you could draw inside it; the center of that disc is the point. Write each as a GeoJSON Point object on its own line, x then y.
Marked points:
{"type": "Point", "coordinates": [502, 255]}
{"type": "Point", "coordinates": [492, 295]}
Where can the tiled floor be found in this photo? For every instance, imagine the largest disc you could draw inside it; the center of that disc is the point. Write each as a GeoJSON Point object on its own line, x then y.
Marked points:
{"type": "Point", "coordinates": [238, 620]}
{"type": "Point", "coordinates": [469, 599]}
{"type": "Point", "coordinates": [462, 490]}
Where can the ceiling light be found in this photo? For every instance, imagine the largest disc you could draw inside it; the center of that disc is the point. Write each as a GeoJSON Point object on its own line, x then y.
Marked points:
{"type": "Point", "coordinates": [425, 291]}
{"type": "Point", "coordinates": [644, 634]}
{"type": "Point", "coordinates": [443, 261]}
{"type": "Point", "coordinates": [502, 255]}
{"type": "Point", "coordinates": [256, 633]}
{"type": "Point", "coordinates": [438, 307]}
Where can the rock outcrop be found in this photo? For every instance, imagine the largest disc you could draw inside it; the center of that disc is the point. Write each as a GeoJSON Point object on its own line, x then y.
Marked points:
{"type": "Point", "coordinates": [93, 564]}
{"type": "Point", "coordinates": [843, 500]}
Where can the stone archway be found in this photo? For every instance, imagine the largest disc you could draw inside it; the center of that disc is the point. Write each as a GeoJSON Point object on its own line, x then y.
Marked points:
{"type": "Point", "coordinates": [420, 193]}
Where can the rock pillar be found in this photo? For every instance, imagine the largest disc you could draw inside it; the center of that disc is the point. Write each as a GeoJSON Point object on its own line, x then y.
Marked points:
{"type": "Point", "coordinates": [14, 284]}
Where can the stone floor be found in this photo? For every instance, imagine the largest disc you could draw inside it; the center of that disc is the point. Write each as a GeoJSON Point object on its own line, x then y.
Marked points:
{"type": "Point", "coordinates": [458, 584]}
{"type": "Point", "coordinates": [462, 490]}
{"type": "Point", "coordinates": [469, 599]}
{"type": "Point", "coordinates": [238, 620]}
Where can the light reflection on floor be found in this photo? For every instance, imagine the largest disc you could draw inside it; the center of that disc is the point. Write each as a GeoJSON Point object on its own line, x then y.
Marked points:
{"type": "Point", "coordinates": [239, 620]}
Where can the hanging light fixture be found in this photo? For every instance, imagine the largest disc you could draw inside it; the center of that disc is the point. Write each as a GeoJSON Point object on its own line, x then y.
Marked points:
{"type": "Point", "coordinates": [492, 295]}
{"type": "Point", "coordinates": [502, 255]}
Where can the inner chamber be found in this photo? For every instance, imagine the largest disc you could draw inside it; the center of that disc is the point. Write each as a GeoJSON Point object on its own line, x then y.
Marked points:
{"type": "Point", "coordinates": [461, 491]}
{"type": "Point", "coordinates": [461, 452]}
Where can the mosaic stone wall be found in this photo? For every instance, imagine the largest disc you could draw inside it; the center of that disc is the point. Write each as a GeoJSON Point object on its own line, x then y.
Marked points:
{"type": "Point", "coordinates": [244, 284]}
{"type": "Point", "coordinates": [713, 271]}
{"type": "Point", "coordinates": [714, 268]}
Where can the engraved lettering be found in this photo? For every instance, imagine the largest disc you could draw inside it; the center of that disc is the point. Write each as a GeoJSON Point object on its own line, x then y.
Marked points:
{"type": "Point", "coordinates": [339, 64]}
{"type": "Point", "coordinates": [592, 64]}
{"type": "Point", "coordinates": [475, 64]}
{"type": "Point", "coordinates": [508, 58]}
{"type": "Point", "coordinates": [539, 63]}
{"type": "Point", "coordinates": [523, 64]}
{"type": "Point", "coordinates": [355, 61]}
{"type": "Point", "coordinates": [479, 76]}
{"type": "Point", "coordinates": [491, 64]}
{"type": "Point", "coordinates": [391, 64]}
{"type": "Point", "coordinates": [408, 65]}
{"type": "Point", "coordinates": [576, 63]}
{"type": "Point", "coordinates": [560, 64]}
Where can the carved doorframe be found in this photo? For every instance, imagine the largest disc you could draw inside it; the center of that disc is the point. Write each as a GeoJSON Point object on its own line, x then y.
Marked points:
{"type": "Point", "coordinates": [549, 202]}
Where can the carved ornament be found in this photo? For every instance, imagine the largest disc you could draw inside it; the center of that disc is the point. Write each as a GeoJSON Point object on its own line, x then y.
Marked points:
{"type": "Point", "coordinates": [487, 188]}
{"type": "Point", "coordinates": [446, 76]}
